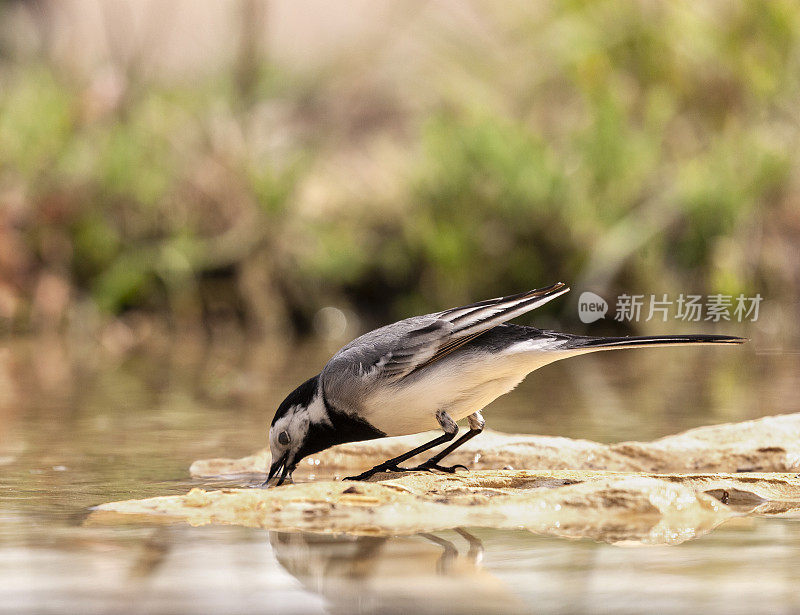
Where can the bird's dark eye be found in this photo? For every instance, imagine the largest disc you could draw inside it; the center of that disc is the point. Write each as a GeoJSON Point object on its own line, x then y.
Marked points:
{"type": "Point", "coordinates": [283, 438]}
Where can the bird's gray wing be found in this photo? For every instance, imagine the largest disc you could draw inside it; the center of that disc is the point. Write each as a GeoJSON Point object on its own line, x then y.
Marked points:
{"type": "Point", "coordinates": [397, 351]}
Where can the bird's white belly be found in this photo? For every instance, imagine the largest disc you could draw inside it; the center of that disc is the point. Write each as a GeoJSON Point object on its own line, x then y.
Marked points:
{"type": "Point", "coordinates": [411, 407]}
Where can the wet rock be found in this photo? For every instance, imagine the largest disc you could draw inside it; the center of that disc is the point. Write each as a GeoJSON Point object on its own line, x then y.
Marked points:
{"type": "Point", "coordinates": [621, 508]}
{"type": "Point", "coordinates": [770, 444]}
{"type": "Point", "coordinates": [661, 492]}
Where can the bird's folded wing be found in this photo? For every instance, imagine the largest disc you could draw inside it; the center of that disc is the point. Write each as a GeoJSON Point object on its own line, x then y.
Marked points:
{"type": "Point", "coordinates": [398, 351]}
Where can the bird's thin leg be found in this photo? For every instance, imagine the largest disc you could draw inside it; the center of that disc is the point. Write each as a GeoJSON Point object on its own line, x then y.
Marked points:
{"type": "Point", "coordinates": [450, 430]}
{"type": "Point", "coordinates": [476, 424]}
{"type": "Point", "coordinates": [475, 553]}
{"type": "Point", "coordinates": [449, 553]}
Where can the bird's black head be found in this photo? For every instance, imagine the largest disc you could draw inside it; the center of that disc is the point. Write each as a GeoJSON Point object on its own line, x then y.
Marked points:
{"type": "Point", "coordinates": [306, 423]}
{"type": "Point", "coordinates": [301, 426]}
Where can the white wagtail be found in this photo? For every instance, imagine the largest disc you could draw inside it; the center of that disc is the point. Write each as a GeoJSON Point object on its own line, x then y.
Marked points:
{"type": "Point", "coordinates": [428, 372]}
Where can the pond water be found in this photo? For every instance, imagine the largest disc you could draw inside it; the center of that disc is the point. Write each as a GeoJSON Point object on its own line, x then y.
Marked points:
{"type": "Point", "coordinates": [81, 425]}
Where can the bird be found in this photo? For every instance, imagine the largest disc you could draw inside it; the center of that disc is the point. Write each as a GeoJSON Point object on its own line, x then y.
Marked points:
{"type": "Point", "coordinates": [428, 372]}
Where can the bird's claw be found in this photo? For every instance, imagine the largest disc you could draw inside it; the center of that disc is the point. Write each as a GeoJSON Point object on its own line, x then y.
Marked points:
{"type": "Point", "coordinates": [376, 470]}
{"type": "Point", "coordinates": [423, 467]}
{"type": "Point", "coordinates": [430, 467]}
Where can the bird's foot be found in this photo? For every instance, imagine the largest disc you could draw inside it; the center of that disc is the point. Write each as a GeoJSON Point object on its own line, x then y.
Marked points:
{"type": "Point", "coordinates": [429, 466]}
{"type": "Point", "coordinates": [377, 470]}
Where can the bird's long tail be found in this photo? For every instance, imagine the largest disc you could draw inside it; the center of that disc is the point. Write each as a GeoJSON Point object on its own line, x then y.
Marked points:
{"type": "Point", "coordinates": [588, 344]}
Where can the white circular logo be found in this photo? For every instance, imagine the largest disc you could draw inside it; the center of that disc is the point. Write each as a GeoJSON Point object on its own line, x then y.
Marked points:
{"type": "Point", "coordinates": [591, 307]}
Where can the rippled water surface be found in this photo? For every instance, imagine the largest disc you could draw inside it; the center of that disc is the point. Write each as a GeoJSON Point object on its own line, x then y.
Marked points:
{"type": "Point", "coordinates": [78, 428]}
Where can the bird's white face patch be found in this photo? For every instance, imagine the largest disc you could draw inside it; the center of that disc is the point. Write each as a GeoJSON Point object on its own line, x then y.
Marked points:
{"type": "Point", "coordinates": [294, 424]}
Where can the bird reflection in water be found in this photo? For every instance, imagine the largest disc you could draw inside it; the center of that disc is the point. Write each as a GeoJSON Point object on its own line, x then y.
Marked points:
{"type": "Point", "coordinates": [424, 573]}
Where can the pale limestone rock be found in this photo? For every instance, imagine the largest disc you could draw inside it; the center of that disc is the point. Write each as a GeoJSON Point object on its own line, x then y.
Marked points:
{"type": "Point", "coordinates": [584, 489]}
{"type": "Point", "coordinates": [620, 508]}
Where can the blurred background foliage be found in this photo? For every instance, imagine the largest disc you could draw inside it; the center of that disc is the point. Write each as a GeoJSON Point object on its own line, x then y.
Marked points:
{"type": "Point", "coordinates": [252, 162]}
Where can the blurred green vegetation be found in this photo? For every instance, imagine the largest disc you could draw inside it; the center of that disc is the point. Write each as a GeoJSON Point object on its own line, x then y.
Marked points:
{"type": "Point", "coordinates": [618, 146]}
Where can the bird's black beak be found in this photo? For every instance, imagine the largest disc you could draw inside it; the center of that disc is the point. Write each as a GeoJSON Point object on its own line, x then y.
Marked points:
{"type": "Point", "coordinates": [279, 470]}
